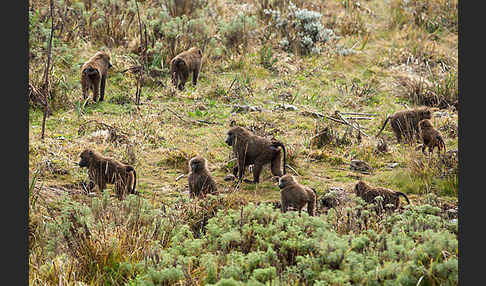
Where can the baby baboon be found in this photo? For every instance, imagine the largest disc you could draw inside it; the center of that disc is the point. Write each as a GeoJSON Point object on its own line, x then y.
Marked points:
{"type": "Point", "coordinates": [405, 122]}
{"type": "Point", "coordinates": [368, 194]}
{"type": "Point", "coordinates": [183, 64]}
{"type": "Point", "coordinates": [253, 149]}
{"type": "Point", "coordinates": [296, 195]}
{"type": "Point", "coordinates": [93, 75]}
{"type": "Point", "coordinates": [430, 136]}
{"type": "Point", "coordinates": [200, 181]}
{"type": "Point", "coordinates": [102, 170]}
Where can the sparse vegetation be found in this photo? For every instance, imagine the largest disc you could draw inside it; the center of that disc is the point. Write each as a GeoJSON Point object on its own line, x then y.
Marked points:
{"type": "Point", "coordinates": [296, 63]}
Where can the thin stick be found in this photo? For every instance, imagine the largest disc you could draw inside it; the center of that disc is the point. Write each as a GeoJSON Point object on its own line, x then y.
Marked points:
{"type": "Point", "coordinates": [357, 128]}
{"type": "Point", "coordinates": [290, 167]}
{"type": "Point", "coordinates": [139, 88]}
{"type": "Point", "coordinates": [359, 118]}
{"type": "Point", "coordinates": [45, 85]}
{"type": "Point", "coordinates": [191, 121]}
{"type": "Point", "coordinates": [231, 85]}
{"type": "Point", "coordinates": [358, 113]}
{"type": "Point", "coordinates": [179, 177]}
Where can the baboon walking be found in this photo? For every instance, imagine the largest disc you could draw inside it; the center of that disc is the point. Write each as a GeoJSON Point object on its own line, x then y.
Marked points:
{"type": "Point", "coordinates": [368, 194]}
{"type": "Point", "coordinates": [93, 75]}
{"type": "Point", "coordinates": [183, 64]}
{"type": "Point", "coordinates": [405, 122]}
{"type": "Point", "coordinates": [296, 195]}
{"type": "Point", "coordinates": [200, 180]}
{"type": "Point", "coordinates": [253, 149]}
{"type": "Point", "coordinates": [430, 136]}
{"type": "Point", "coordinates": [103, 170]}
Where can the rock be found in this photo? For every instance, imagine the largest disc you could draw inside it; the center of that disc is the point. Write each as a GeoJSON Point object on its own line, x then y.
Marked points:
{"type": "Point", "coordinates": [245, 109]}
{"type": "Point", "coordinates": [360, 166]}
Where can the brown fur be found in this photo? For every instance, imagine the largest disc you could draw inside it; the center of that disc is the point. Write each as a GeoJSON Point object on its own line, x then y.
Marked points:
{"type": "Point", "coordinates": [430, 136]}
{"type": "Point", "coordinates": [405, 122]}
{"type": "Point", "coordinates": [200, 180]}
{"type": "Point", "coordinates": [93, 75]}
{"type": "Point", "coordinates": [252, 149]}
{"type": "Point", "coordinates": [103, 170]}
{"type": "Point", "coordinates": [296, 195]}
{"type": "Point", "coordinates": [368, 194]}
{"type": "Point", "coordinates": [183, 64]}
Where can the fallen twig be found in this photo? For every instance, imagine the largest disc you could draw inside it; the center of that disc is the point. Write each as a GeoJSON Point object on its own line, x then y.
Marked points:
{"type": "Point", "coordinates": [347, 122]}
{"type": "Point", "coordinates": [179, 177]}
{"type": "Point", "coordinates": [190, 120]}
{"type": "Point", "coordinates": [359, 113]}
{"type": "Point", "coordinates": [359, 118]}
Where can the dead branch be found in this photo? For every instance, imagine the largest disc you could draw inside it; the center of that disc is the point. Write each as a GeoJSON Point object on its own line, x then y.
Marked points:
{"type": "Point", "coordinates": [45, 85]}
{"type": "Point", "coordinates": [337, 113]}
{"type": "Point", "coordinates": [358, 113]}
{"type": "Point", "coordinates": [179, 177]}
{"type": "Point", "coordinates": [359, 118]}
{"type": "Point", "coordinates": [190, 120]}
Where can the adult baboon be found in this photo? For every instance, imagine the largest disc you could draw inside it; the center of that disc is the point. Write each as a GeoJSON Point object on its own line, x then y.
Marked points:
{"type": "Point", "coordinates": [296, 195]}
{"type": "Point", "coordinates": [103, 170]}
{"type": "Point", "coordinates": [430, 136]}
{"type": "Point", "coordinates": [405, 122]}
{"type": "Point", "coordinates": [368, 194]}
{"type": "Point", "coordinates": [93, 75]}
{"type": "Point", "coordinates": [183, 64]}
{"type": "Point", "coordinates": [200, 180]}
{"type": "Point", "coordinates": [253, 149]}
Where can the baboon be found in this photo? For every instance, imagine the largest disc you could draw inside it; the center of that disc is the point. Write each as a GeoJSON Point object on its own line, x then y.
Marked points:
{"type": "Point", "coordinates": [252, 149]}
{"type": "Point", "coordinates": [405, 122]}
{"type": "Point", "coordinates": [103, 170]}
{"type": "Point", "coordinates": [183, 64]}
{"type": "Point", "coordinates": [200, 180]}
{"type": "Point", "coordinates": [93, 75]}
{"type": "Point", "coordinates": [368, 194]}
{"type": "Point", "coordinates": [430, 136]}
{"type": "Point", "coordinates": [296, 195]}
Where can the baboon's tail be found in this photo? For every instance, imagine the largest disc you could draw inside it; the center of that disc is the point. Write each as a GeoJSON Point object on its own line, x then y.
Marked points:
{"type": "Point", "coordinates": [441, 144]}
{"type": "Point", "coordinates": [405, 196]}
{"type": "Point", "coordinates": [278, 143]}
{"type": "Point", "coordinates": [131, 169]}
{"type": "Point", "coordinates": [383, 127]}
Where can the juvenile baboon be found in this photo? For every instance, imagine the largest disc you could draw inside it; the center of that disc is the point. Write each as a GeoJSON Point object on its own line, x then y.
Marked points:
{"type": "Point", "coordinates": [368, 194]}
{"type": "Point", "coordinates": [430, 136]}
{"type": "Point", "coordinates": [296, 195]}
{"type": "Point", "coordinates": [405, 122]}
{"type": "Point", "coordinates": [252, 149]}
{"type": "Point", "coordinates": [200, 180]}
{"type": "Point", "coordinates": [183, 64]}
{"type": "Point", "coordinates": [93, 75]}
{"type": "Point", "coordinates": [103, 170]}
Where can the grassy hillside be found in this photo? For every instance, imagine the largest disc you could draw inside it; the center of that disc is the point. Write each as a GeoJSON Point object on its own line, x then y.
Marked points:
{"type": "Point", "coordinates": [290, 60]}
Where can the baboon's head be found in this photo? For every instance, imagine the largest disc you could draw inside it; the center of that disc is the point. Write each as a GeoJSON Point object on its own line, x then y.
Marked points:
{"type": "Point", "coordinates": [286, 180]}
{"type": "Point", "coordinates": [425, 124]}
{"type": "Point", "coordinates": [425, 113]}
{"type": "Point", "coordinates": [197, 164]}
{"type": "Point", "coordinates": [86, 157]}
{"type": "Point", "coordinates": [105, 57]}
{"type": "Point", "coordinates": [360, 187]}
{"type": "Point", "coordinates": [233, 133]}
